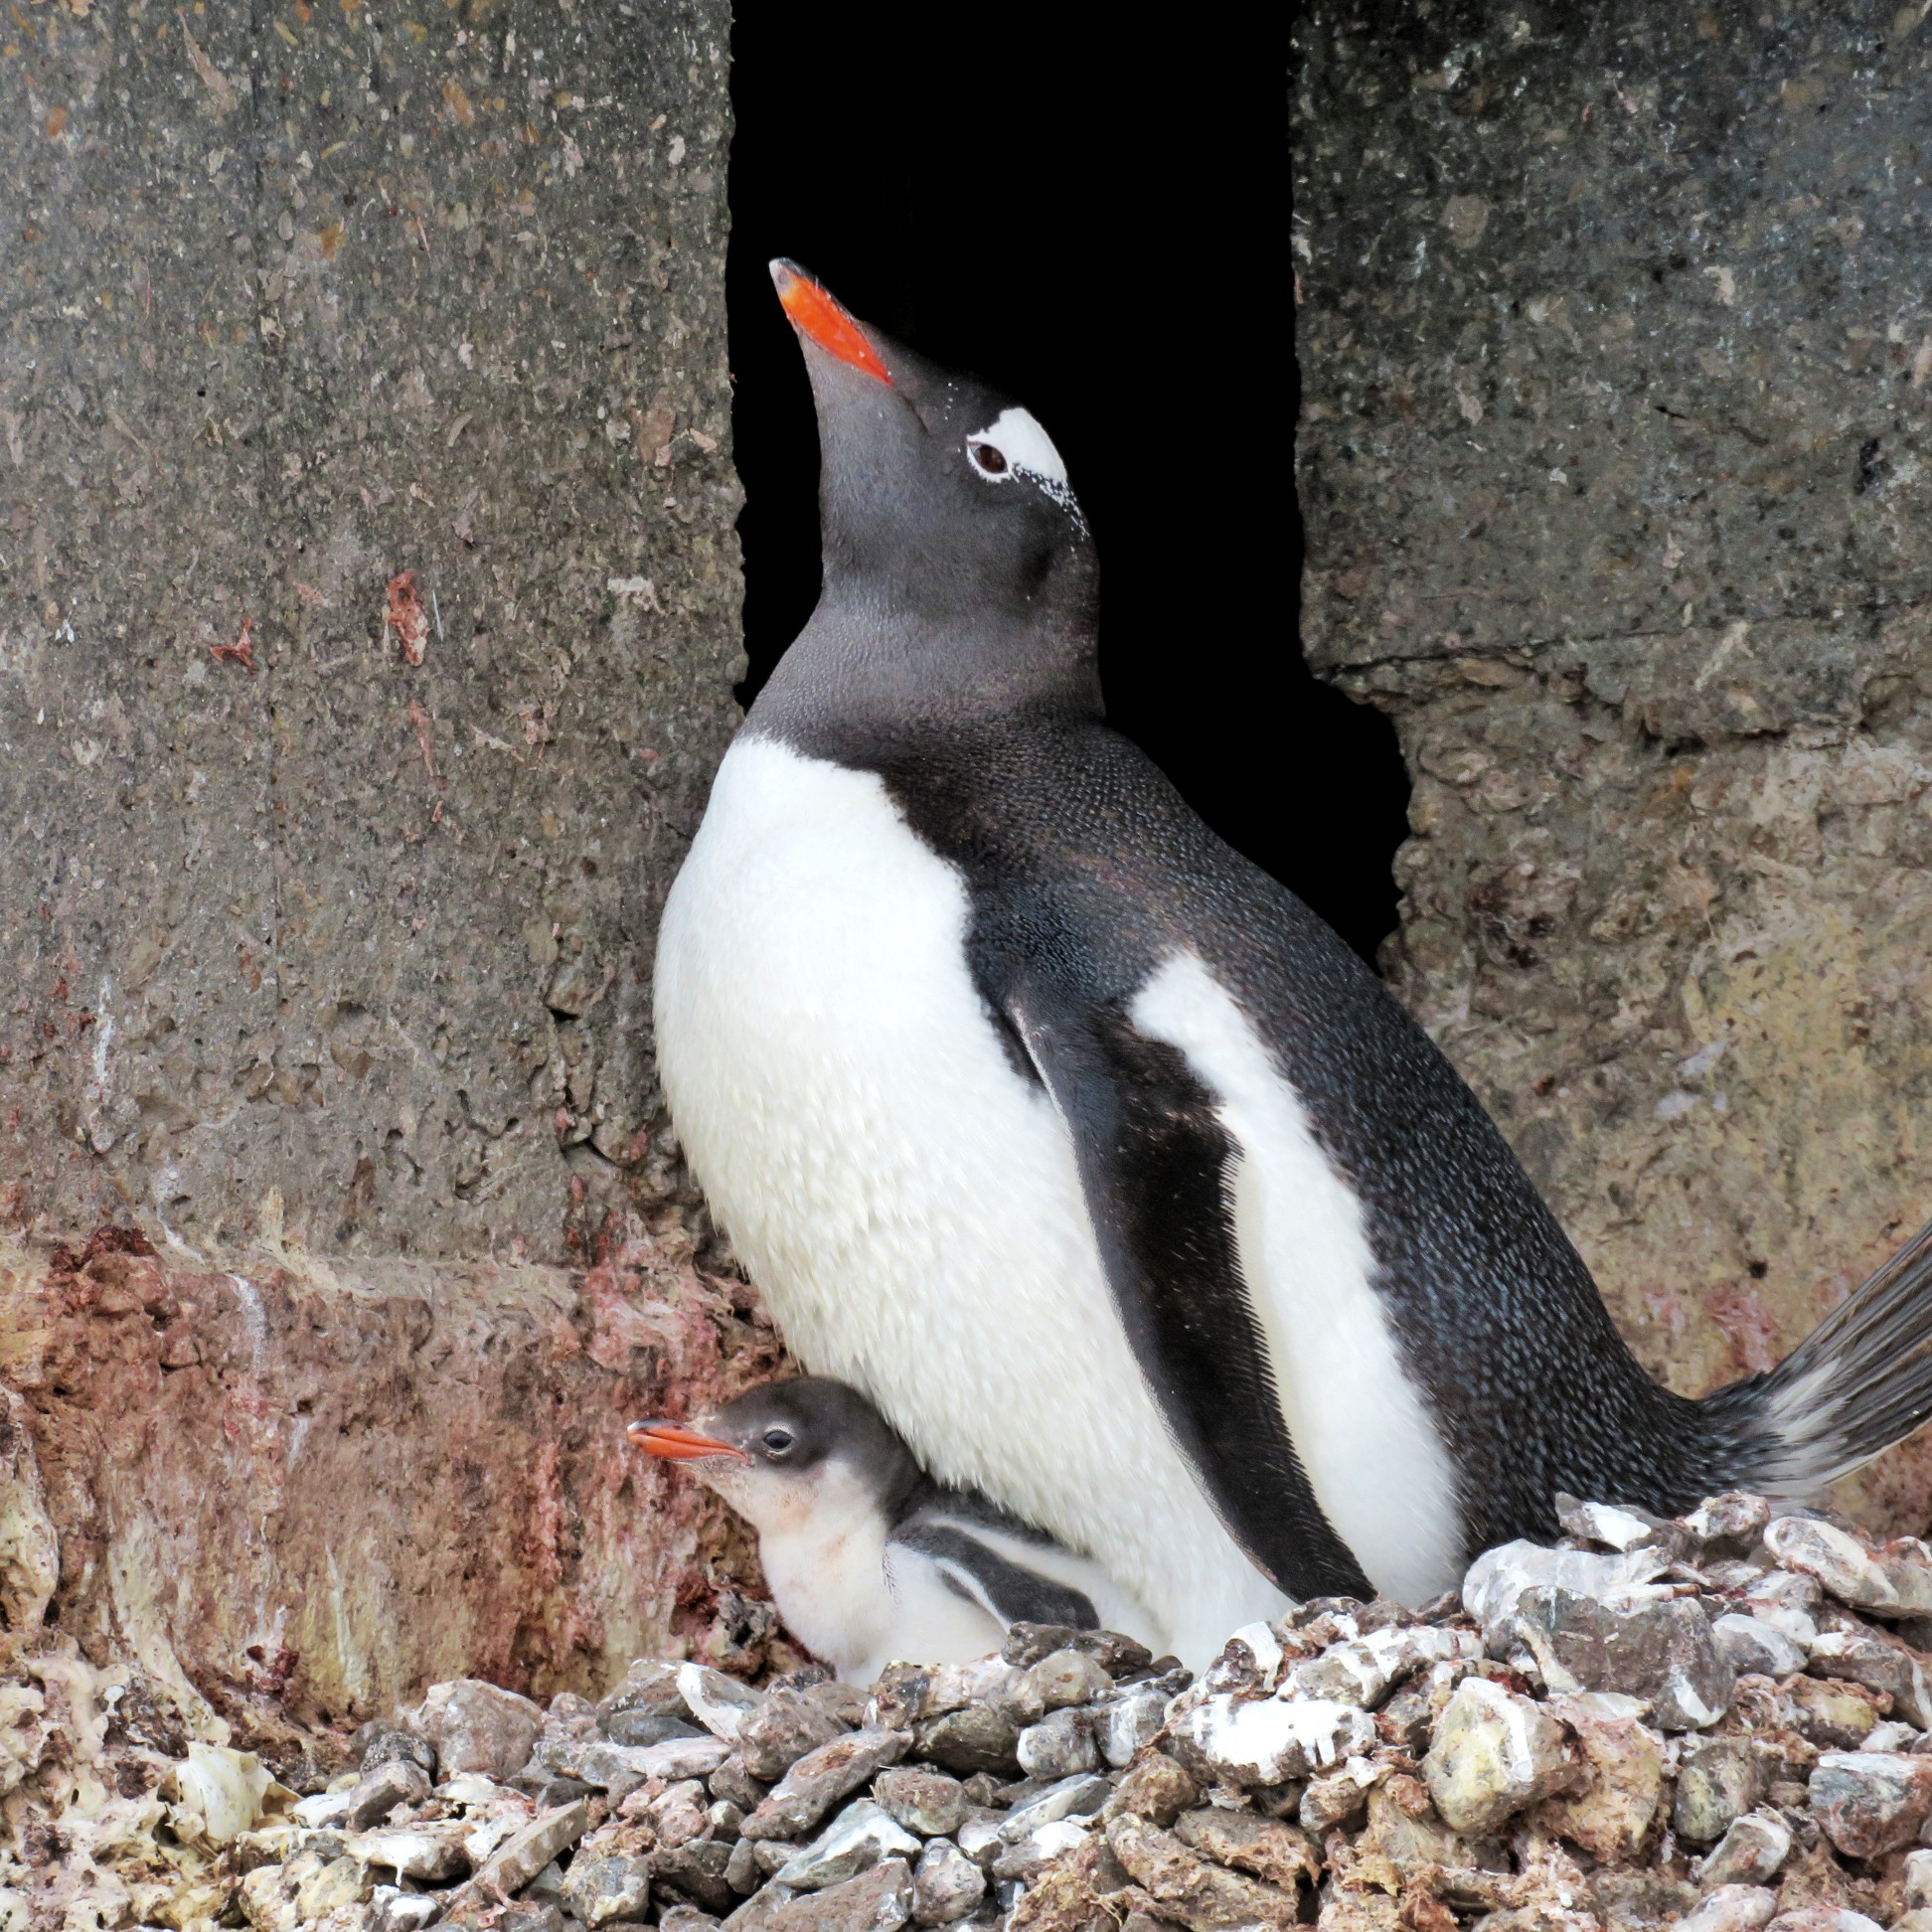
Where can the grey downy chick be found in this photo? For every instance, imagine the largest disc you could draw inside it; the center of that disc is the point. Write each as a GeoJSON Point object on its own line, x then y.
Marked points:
{"type": "Point", "coordinates": [870, 1561]}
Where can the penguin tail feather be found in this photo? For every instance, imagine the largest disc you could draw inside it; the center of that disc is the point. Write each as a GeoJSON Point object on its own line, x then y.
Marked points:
{"type": "Point", "coordinates": [1861, 1382]}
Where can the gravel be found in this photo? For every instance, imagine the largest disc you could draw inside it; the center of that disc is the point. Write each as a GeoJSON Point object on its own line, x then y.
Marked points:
{"type": "Point", "coordinates": [1718, 1724]}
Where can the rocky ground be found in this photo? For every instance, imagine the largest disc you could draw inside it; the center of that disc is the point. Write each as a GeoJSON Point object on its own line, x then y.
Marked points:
{"type": "Point", "coordinates": [1720, 1723]}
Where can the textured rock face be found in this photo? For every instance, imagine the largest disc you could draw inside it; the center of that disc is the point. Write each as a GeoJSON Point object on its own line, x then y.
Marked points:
{"type": "Point", "coordinates": [367, 602]}
{"type": "Point", "coordinates": [277, 1493]}
{"type": "Point", "coordinates": [1614, 460]}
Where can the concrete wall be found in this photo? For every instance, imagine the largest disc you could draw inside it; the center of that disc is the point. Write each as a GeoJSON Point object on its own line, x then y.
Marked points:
{"type": "Point", "coordinates": [368, 622]}
{"type": "Point", "coordinates": [1616, 457]}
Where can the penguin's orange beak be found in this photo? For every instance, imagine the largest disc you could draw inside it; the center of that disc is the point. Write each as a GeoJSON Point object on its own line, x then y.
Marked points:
{"type": "Point", "coordinates": [675, 1443]}
{"type": "Point", "coordinates": [821, 318]}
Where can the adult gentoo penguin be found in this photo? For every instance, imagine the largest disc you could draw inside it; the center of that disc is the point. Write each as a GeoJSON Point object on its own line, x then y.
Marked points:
{"type": "Point", "coordinates": [1126, 1191]}
{"type": "Point", "coordinates": [869, 1560]}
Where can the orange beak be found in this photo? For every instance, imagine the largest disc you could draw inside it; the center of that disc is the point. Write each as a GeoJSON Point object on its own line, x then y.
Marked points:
{"type": "Point", "coordinates": [818, 316]}
{"type": "Point", "coordinates": [675, 1443]}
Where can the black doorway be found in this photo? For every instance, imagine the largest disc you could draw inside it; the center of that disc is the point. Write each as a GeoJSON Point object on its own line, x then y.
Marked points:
{"type": "Point", "coordinates": [1098, 221]}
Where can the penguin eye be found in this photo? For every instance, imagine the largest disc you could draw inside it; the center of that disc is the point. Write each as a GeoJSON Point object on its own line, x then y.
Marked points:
{"type": "Point", "coordinates": [986, 459]}
{"type": "Point", "coordinates": [777, 1442]}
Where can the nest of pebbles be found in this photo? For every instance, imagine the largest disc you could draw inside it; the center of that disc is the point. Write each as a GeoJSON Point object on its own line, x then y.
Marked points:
{"type": "Point", "coordinates": [1720, 1723]}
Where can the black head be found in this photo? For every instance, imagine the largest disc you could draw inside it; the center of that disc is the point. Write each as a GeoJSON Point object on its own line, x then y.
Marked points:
{"type": "Point", "coordinates": [955, 555]}
{"type": "Point", "coordinates": [778, 1449]}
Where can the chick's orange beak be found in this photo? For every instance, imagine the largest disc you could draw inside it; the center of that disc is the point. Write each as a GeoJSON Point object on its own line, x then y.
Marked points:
{"type": "Point", "coordinates": [675, 1443]}
{"type": "Point", "coordinates": [818, 316]}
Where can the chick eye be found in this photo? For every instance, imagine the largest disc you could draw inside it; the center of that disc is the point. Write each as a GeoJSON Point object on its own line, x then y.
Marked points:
{"type": "Point", "coordinates": [778, 1442]}
{"type": "Point", "coordinates": [989, 460]}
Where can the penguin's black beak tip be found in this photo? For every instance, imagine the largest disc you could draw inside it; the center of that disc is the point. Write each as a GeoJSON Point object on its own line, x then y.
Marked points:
{"type": "Point", "coordinates": [824, 321]}
{"type": "Point", "coordinates": [673, 1442]}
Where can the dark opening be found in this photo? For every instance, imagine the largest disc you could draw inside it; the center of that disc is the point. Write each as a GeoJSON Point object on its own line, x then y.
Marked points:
{"type": "Point", "coordinates": [1096, 218]}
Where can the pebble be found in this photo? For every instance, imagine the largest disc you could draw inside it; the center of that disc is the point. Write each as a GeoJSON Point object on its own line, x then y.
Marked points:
{"type": "Point", "coordinates": [1755, 1646]}
{"type": "Point", "coordinates": [1518, 1768]}
{"type": "Point", "coordinates": [1731, 1908]}
{"type": "Point", "coordinates": [817, 1782]}
{"type": "Point", "coordinates": [1494, 1754]}
{"type": "Point", "coordinates": [1717, 1783]}
{"type": "Point", "coordinates": [857, 1838]}
{"type": "Point", "coordinates": [1661, 1650]}
{"type": "Point", "coordinates": [719, 1703]}
{"type": "Point", "coordinates": [1871, 1802]}
{"type": "Point", "coordinates": [927, 1802]}
{"type": "Point", "coordinates": [600, 1890]}
{"type": "Point", "coordinates": [946, 1884]}
{"type": "Point", "coordinates": [1751, 1853]}
{"type": "Point", "coordinates": [1059, 1745]}
{"type": "Point", "coordinates": [476, 1726]}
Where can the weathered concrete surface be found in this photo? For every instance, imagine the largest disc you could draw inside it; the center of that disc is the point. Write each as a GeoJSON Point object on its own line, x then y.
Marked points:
{"type": "Point", "coordinates": [353, 335]}
{"type": "Point", "coordinates": [281, 1492]}
{"type": "Point", "coordinates": [1617, 466]}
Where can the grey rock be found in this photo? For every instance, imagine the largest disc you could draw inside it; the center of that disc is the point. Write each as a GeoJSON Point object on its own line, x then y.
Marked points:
{"type": "Point", "coordinates": [1731, 1908]}
{"type": "Point", "coordinates": [968, 1740]}
{"type": "Point", "coordinates": [1717, 1783]}
{"type": "Point", "coordinates": [527, 1850]}
{"type": "Point", "coordinates": [734, 1783]}
{"type": "Point", "coordinates": [878, 1900]}
{"type": "Point", "coordinates": [1751, 1853]}
{"type": "Point", "coordinates": [757, 1912]}
{"type": "Point", "coordinates": [719, 1703]}
{"type": "Point", "coordinates": [1754, 1645]}
{"type": "Point", "coordinates": [724, 1818]}
{"type": "Point", "coordinates": [773, 1854]}
{"type": "Point", "coordinates": [432, 1853]}
{"type": "Point", "coordinates": [1128, 1722]}
{"type": "Point", "coordinates": [946, 1884]}
{"type": "Point", "coordinates": [1604, 1523]}
{"type": "Point", "coordinates": [978, 1837]}
{"type": "Point", "coordinates": [608, 1891]}
{"type": "Point", "coordinates": [819, 1780]}
{"type": "Point", "coordinates": [620, 1768]}
{"type": "Point", "coordinates": [700, 1872]}
{"type": "Point", "coordinates": [1871, 1802]}
{"type": "Point", "coordinates": [1077, 1797]}
{"type": "Point", "coordinates": [783, 1726]}
{"type": "Point", "coordinates": [857, 1840]}
{"type": "Point", "coordinates": [1065, 1677]}
{"type": "Point", "coordinates": [640, 1727]}
{"type": "Point", "coordinates": [388, 1745]}
{"type": "Point", "coordinates": [1661, 1650]}
{"type": "Point", "coordinates": [649, 1689]}
{"type": "Point", "coordinates": [1862, 1657]}
{"type": "Point", "coordinates": [1059, 1745]}
{"type": "Point", "coordinates": [1917, 1878]}
{"type": "Point", "coordinates": [679, 1814]}
{"type": "Point", "coordinates": [685, 1918]}
{"type": "Point", "coordinates": [1270, 1740]}
{"type": "Point", "coordinates": [1025, 1858]}
{"type": "Point", "coordinates": [1494, 1754]}
{"type": "Point", "coordinates": [926, 1802]}
{"type": "Point", "coordinates": [480, 1728]}
{"type": "Point", "coordinates": [741, 1871]}
{"type": "Point", "coordinates": [396, 1781]}
{"type": "Point", "coordinates": [1853, 1574]}
{"type": "Point", "coordinates": [1498, 1578]}
{"type": "Point", "coordinates": [1734, 1516]}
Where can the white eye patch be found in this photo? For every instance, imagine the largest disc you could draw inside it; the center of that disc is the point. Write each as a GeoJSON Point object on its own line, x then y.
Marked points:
{"type": "Point", "coordinates": [1015, 437]}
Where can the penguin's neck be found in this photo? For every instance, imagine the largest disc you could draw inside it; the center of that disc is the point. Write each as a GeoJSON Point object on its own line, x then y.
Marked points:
{"type": "Point", "coordinates": [826, 1566]}
{"type": "Point", "coordinates": [859, 666]}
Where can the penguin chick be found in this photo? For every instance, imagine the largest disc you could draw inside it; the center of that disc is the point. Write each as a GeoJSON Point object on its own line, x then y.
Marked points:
{"type": "Point", "coordinates": [869, 1560]}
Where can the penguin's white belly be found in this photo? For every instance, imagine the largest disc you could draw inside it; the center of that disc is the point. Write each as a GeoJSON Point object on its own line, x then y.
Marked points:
{"type": "Point", "coordinates": [907, 1201]}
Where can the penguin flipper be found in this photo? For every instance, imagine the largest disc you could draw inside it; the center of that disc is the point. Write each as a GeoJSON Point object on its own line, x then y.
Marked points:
{"type": "Point", "coordinates": [1014, 1595]}
{"type": "Point", "coordinates": [1154, 1163]}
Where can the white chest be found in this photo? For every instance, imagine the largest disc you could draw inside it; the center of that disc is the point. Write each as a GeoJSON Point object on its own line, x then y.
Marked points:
{"type": "Point", "coordinates": [905, 1200]}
